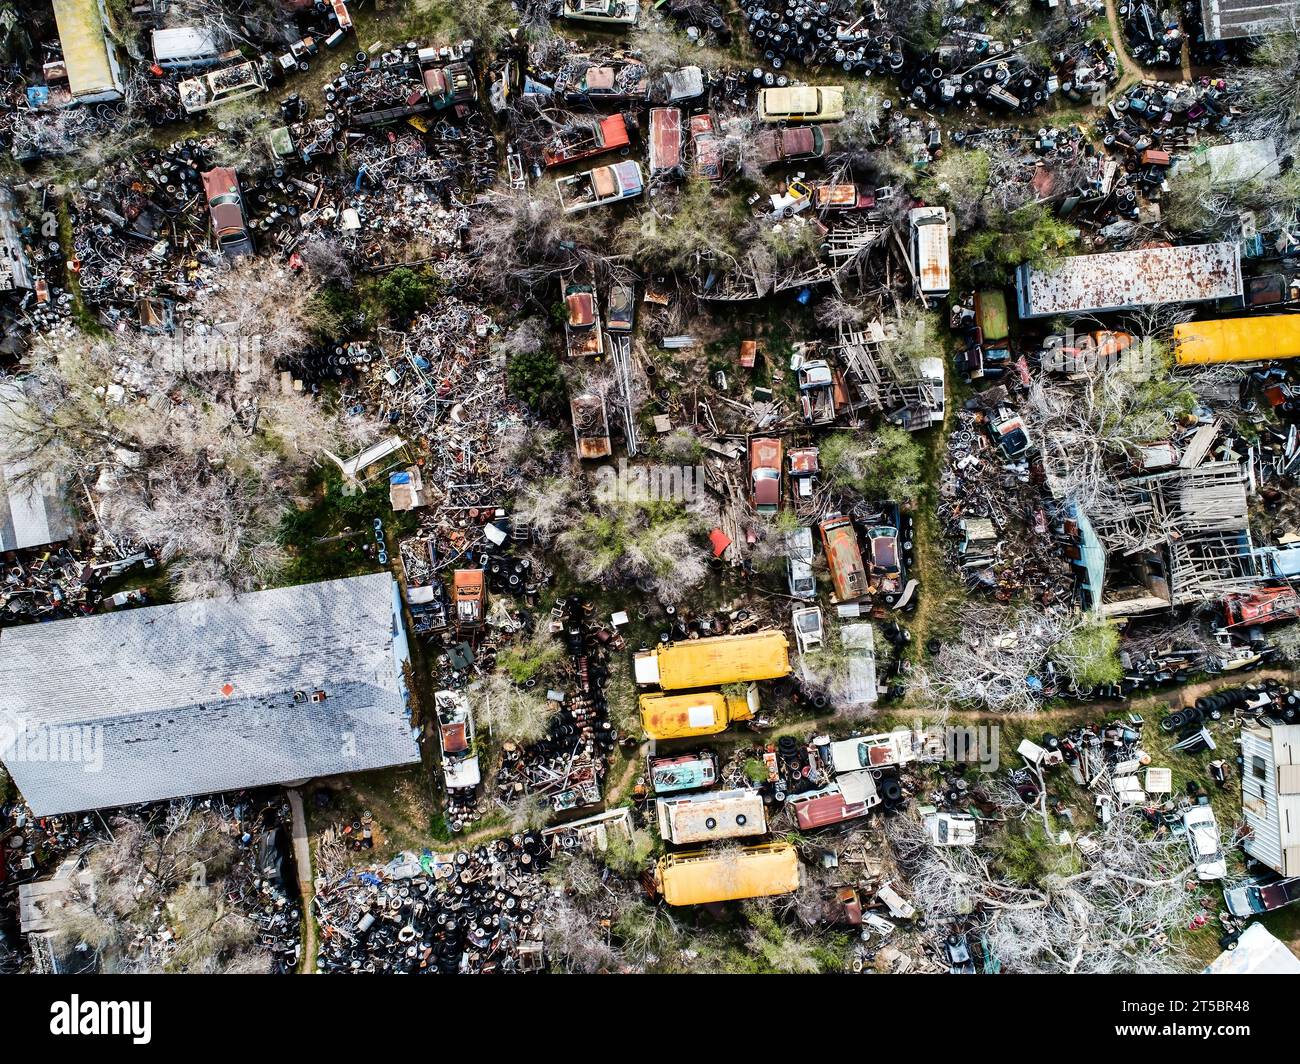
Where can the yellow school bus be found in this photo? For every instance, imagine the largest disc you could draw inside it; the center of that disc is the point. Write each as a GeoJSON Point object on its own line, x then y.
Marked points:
{"type": "Point", "coordinates": [712, 662]}
{"type": "Point", "coordinates": [1263, 338]}
{"type": "Point", "coordinates": [702, 713]}
{"type": "Point", "coordinates": [703, 876]}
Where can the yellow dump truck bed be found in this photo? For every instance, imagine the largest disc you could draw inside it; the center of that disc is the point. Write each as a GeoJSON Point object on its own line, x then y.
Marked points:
{"type": "Point", "coordinates": [681, 716]}
{"type": "Point", "coordinates": [704, 876]}
{"type": "Point", "coordinates": [711, 662]}
{"type": "Point", "coordinates": [1264, 338]}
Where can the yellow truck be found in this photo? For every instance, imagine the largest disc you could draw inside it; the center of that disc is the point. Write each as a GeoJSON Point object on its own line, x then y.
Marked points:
{"type": "Point", "coordinates": [1259, 338]}
{"type": "Point", "coordinates": [666, 716]}
{"type": "Point", "coordinates": [700, 877]}
{"type": "Point", "coordinates": [713, 662]}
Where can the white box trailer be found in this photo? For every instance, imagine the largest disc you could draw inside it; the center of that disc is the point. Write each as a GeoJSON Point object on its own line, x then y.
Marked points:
{"type": "Point", "coordinates": [186, 48]}
{"type": "Point", "coordinates": [930, 258]}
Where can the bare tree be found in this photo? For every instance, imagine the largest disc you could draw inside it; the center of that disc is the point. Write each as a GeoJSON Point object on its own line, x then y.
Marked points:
{"type": "Point", "coordinates": [998, 658]}
{"type": "Point", "coordinates": [1113, 916]}
{"type": "Point", "coordinates": [511, 713]}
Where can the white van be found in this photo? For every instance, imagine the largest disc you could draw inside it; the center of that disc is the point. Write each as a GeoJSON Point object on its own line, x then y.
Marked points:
{"type": "Point", "coordinates": [186, 48]}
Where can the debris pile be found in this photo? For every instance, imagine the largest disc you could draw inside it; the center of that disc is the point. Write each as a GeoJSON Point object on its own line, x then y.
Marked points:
{"type": "Point", "coordinates": [568, 767]}
{"type": "Point", "coordinates": [993, 510]}
{"type": "Point", "coordinates": [465, 912]}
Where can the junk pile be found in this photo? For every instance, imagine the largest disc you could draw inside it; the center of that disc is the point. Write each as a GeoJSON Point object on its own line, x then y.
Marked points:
{"type": "Point", "coordinates": [1152, 32]}
{"type": "Point", "coordinates": [408, 201]}
{"type": "Point", "coordinates": [997, 533]}
{"type": "Point", "coordinates": [1167, 116]}
{"type": "Point", "coordinates": [568, 767]}
{"type": "Point", "coordinates": [435, 381]}
{"type": "Point", "coordinates": [821, 33]}
{"type": "Point", "coordinates": [592, 79]}
{"type": "Point", "coordinates": [1048, 162]}
{"type": "Point", "coordinates": [41, 134]}
{"type": "Point", "coordinates": [469, 912]}
{"type": "Point", "coordinates": [30, 845]}
{"type": "Point", "coordinates": [455, 159]}
{"type": "Point", "coordinates": [140, 229]}
{"type": "Point", "coordinates": [262, 884]}
{"type": "Point", "coordinates": [1087, 70]}
{"type": "Point", "coordinates": [53, 583]}
{"type": "Point", "coordinates": [968, 68]}
{"type": "Point", "coordinates": [405, 82]}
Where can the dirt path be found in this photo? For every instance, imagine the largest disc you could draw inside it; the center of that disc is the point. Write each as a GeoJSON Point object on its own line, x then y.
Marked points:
{"type": "Point", "coordinates": [306, 885]}
{"type": "Point", "coordinates": [1173, 697]}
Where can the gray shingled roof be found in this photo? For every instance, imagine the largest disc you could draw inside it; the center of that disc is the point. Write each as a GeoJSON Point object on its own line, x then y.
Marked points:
{"type": "Point", "coordinates": [199, 697]}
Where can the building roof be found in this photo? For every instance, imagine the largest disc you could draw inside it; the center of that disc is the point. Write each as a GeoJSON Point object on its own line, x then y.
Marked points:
{"type": "Point", "coordinates": [1258, 952]}
{"type": "Point", "coordinates": [1227, 19]}
{"type": "Point", "coordinates": [1270, 800]}
{"type": "Point", "coordinates": [85, 48]}
{"type": "Point", "coordinates": [185, 42]}
{"type": "Point", "coordinates": [1243, 160]}
{"type": "Point", "coordinates": [1120, 280]}
{"type": "Point", "coordinates": [200, 697]}
{"type": "Point", "coordinates": [14, 270]}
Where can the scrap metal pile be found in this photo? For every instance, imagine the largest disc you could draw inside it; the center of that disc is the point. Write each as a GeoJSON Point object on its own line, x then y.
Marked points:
{"type": "Point", "coordinates": [139, 230]}
{"type": "Point", "coordinates": [969, 67]}
{"type": "Point", "coordinates": [60, 582]}
{"type": "Point", "coordinates": [568, 767]}
{"type": "Point", "coordinates": [437, 913]}
{"type": "Point", "coordinates": [994, 513]}
{"type": "Point", "coordinates": [1153, 33]}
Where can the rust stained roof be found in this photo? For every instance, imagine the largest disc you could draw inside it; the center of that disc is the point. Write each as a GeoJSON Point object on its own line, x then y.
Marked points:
{"type": "Point", "coordinates": [1122, 279]}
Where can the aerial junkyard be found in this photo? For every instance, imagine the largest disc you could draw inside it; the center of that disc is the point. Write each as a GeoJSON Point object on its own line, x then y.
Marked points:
{"type": "Point", "coordinates": [777, 486]}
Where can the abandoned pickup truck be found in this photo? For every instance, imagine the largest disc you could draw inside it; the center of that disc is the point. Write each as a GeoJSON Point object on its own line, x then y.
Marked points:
{"type": "Point", "coordinates": [582, 335]}
{"type": "Point", "coordinates": [577, 142]}
{"type": "Point", "coordinates": [596, 188]}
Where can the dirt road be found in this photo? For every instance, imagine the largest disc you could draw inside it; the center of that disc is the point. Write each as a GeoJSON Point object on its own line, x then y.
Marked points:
{"type": "Point", "coordinates": [306, 887]}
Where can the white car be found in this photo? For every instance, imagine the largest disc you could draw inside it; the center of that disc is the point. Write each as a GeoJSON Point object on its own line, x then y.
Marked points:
{"type": "Point", "coordinates": [1203, 840]}
{"type": "Point", "coordinates": [951, 829]}
{"type": "Point", "coordinates": [808, 631]}
{"type": "Point", "coordinates": [799, 556]}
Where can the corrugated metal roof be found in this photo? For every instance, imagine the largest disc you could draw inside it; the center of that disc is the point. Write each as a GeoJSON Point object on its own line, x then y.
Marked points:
{"type": "Point", "coordinates": [198, 697]}
{"type": "Point", "coordinates": [1119, 280]}
{"type": "Point", "coordinates": [1227, 19]}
